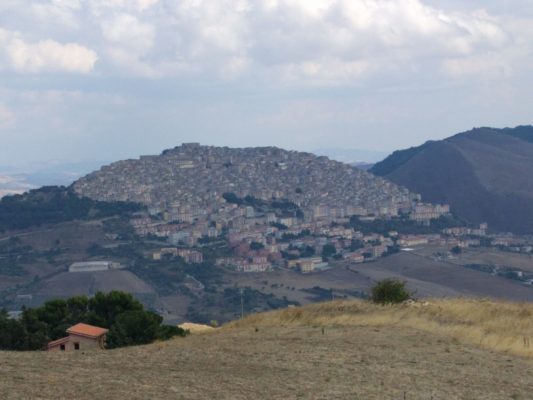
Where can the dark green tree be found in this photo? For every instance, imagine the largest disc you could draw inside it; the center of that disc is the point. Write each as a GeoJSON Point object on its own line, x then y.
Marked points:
{"type": "Point", "coordinates": [256, 246]}
{"type": "Point", "coordinates": [104, 308]}
{"type": "Point", "coordinates": [456, 250]}
{"type": "Point", "coordinates": [37, 330]}
{"type": "Point", "coordinates": [134, 328]}
{"type": "Point", "coordinates": [328, 250]}
{"type": "Point", "coordinates": [390, 291]}
{"type": "Point", "coordinates": [125, 317]}
{"type": "Point", "coordinates": [12, 333]}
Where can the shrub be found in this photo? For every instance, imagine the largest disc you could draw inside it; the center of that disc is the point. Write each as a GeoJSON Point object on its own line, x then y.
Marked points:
{"type": "Point", "coordinates": [390, 291]}
{"type": "Point", "coordinates": [328, 250]}
{"type": "Point", "coordinates": [256, 246]}
{"type": "Point", "coordinates": [456, 250]}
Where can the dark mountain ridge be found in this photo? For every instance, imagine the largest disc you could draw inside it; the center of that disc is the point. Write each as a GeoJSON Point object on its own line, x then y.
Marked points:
{"type": "Point", "coordinates": [485, 174]}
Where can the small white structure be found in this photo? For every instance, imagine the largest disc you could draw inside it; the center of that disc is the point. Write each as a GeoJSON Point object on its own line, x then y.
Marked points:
{"type": "Point", "coordinates": [92, 266]}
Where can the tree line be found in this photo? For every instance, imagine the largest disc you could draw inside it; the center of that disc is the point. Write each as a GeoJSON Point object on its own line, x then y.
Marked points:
{"type": "Point", "coordinates": [54, 204]}
{"type": "Point", "coordinates": [125, 317]}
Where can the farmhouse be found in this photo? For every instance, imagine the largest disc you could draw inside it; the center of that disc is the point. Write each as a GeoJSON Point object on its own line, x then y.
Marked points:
{"type": "Point", "coordinates": [80, 337]}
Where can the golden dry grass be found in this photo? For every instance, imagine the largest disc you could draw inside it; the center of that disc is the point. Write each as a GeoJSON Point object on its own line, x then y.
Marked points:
{"type": "Point", "coordinates": [337, 350]}
{"type": "Point", "coordinates": [291, 362]}
{"type": "Point", "coordinates": [499, 326]}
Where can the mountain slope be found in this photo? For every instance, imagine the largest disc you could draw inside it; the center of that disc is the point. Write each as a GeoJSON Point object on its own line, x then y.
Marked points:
{"type": "Point", "coordinates": [485, 175]}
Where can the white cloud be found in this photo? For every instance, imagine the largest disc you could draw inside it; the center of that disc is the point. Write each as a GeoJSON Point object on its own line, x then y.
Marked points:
{"type": "Point", "coordinates": [44, 55]}
{"type": "Point", "coordinates": [329, 40]}
{"type": "Point", "coordinates": [128, 41]}
{"type": "Point", "coordinates": [49, 55]}
{"type": "Point", "coordinates": [102, 6]}
{"type": "Point", "coordinates": [372, 66]}
{"type": "Point", "coordinates": [128, 31]}
{"type": "Point", "coordinates": [62, 12]}
{"type": "Point", "coordinates": [335, 41]}
{"type": "Point", "coordinates": [145, 4]}
{"type": "Point", "coordinates": [74, 4]}
{"type": "Point", "coordinates": [379, 33]}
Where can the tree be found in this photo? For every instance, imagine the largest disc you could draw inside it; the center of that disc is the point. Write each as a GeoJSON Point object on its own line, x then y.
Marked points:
{"type": "Point", "coordinates": [256, 246]}
{"type": "Point", "coordinates": [125, 317]}
{"type": "Point", "coordinates": [104, 308]}
{"type": "Point", "coordinates": [456, 250]}
{"type": "Point", "coordinates": [328, 250]}
{"type": "Point", "coordinates": [12, 333]}
{"type": "Point", "coordinates": [232, 198]}
{"type": "Point", "coordinates": [390, 291]}
{"type": "Point", "coordinates": [134, 328]}
{"type": "Point", "coordinates": [37, 330]}
{"type": "Point", "coordinates": [307, 251]}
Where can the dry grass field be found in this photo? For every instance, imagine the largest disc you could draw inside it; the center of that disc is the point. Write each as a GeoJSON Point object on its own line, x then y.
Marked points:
{"type": "Point", "coordinates": [498, 326]}
{"type": "Point", "coordinates": [458, 349]}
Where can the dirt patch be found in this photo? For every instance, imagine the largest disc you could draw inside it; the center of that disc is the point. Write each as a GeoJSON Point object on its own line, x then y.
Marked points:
{"type": "Point", "coordinates": [196, 328]}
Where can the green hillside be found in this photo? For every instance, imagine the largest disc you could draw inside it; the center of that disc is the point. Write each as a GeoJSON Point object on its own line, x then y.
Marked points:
{"type": "Point", "coordinates": [54, 204]}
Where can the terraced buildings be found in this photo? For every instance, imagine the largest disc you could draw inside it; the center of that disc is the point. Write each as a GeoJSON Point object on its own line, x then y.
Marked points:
{"type": "Point", "coordinates": [189, 180]}
{"type": "Point", "coordinates": [270, 205]}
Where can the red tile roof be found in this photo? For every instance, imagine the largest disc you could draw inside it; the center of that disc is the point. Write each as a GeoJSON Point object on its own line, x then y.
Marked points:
{"type": "Point", "coordinates": [87, 330]}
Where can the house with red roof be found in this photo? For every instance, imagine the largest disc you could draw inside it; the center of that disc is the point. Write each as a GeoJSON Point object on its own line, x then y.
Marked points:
{"type": "Point", "coordinates": [80, 337]}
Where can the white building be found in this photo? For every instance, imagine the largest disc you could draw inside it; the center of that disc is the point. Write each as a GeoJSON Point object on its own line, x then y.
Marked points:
{"type": "Point", "coordinates": [92, 266]}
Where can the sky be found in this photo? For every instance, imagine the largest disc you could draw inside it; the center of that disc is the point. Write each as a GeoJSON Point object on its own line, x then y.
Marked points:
{"type": "Point", "coordinates": [90, 80]}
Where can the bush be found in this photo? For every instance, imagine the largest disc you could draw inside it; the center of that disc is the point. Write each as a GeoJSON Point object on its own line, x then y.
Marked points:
{"type": "Point", "coordinates": [456, 250]}
{"type": "Point", "coordinates": [328, 250]}
{"type": "Point", "coordinates": [390, 291]}
{"type": "Point", "coordinates": [256, 246]}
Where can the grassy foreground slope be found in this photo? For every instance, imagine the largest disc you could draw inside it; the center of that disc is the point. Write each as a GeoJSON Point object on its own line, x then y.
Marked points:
{"type": "Point", "coordinates": [336, 350]}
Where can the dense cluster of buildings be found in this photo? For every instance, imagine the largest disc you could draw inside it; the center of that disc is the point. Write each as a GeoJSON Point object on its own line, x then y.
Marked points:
{"type": "Point", "coordinates": [272, 207]}
{"type": "Point", "coordinates": [187, 182]}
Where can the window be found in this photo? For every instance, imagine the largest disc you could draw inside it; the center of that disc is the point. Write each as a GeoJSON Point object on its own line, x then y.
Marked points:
{"type": "Point", "coordinates": [76, 346]}
{"type": "Point", "coordinates": [62, 347]}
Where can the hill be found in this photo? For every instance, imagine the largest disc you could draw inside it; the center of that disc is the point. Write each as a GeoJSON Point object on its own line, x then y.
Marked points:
{"type": "Point", "coordinates": [163, 182]}
{"type": "Point", "coordinates": [459, 349]}
{"type": "Point", "coordinates": [484, 174]}
{"type": "Point", "coordinates": [55, 204]}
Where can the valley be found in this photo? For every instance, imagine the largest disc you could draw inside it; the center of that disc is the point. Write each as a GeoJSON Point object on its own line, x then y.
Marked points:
{"type": "Point", "coordinates": [206, 292]}
{"type": "Point", "coordinates": [261, 229]}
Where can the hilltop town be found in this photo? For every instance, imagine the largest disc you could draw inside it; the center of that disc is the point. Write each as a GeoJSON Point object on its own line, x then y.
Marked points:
{"type": "Point", "coordinates": [205, 233]}
{"type": "Point", "coordinates": [271, 206]}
